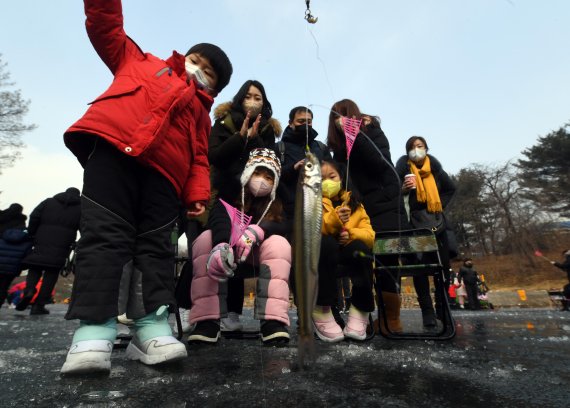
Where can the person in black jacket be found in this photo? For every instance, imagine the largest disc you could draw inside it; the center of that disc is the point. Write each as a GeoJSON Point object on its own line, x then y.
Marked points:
{"type": "Point", "coordinates": [430, 189]}
{"type": "Point", "coordinates": [374, 177]}
{"type": "Point", "coordinates": [242, 125]}
{"type": "Point", "coordinates": [565, 266]}
{"type": "Point", "coordinates": [297, 135]}
{"type": "Point", "coordinates": [53, 227]}
{"type": "Point", "coordinates": [468, 275]}
{"type": "Point", "coordinates": [14, 245]}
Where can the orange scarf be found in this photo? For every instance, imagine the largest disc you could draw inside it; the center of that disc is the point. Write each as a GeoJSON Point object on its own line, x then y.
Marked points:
{"type": "Point", "coordinates": [426, 189]}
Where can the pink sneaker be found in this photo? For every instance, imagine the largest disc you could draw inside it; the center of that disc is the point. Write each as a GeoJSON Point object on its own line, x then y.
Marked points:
{"type": "Point", "coordinates": [327, 328]}
{"type": "Point", "coordinates": [356, 326]}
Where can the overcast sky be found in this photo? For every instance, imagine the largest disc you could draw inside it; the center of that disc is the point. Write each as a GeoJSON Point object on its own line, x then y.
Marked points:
{"type": "Point", "coordinates": [480, 79]}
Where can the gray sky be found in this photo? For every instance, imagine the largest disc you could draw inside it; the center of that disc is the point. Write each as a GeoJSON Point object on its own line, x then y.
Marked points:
{"type": "Point", "coordinates": [480, 79]}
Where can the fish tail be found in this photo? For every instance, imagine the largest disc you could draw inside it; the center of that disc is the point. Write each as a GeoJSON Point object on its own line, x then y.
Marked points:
{"type": "Point", "coordinates": [306, 349]}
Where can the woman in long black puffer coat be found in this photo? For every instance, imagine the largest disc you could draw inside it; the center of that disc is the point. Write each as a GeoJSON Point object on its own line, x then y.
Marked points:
{"type": "Point", "coordinates": [430, 189]}
{"type": "Point", "coordinates": [374, 176]}
{"type": "Point", "coordinates": [53, 226]}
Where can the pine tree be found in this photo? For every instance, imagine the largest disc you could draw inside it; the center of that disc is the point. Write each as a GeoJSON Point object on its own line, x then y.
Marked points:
{"type": "Point", "coordinates": [545, 173]}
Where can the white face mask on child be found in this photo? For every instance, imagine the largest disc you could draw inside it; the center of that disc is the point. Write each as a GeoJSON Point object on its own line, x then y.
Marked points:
{"type": "Point", "coordinates": [259, 187]}
{"type": "Point", "coordinates": [194, 72]}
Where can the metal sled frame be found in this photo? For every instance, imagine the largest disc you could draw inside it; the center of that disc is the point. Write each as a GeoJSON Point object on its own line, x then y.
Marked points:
{"type": "Point", "coordinates": [407, 244]}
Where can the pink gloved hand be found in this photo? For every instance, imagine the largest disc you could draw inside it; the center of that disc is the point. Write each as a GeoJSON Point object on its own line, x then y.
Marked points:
{"type": "Point", "coordinates": [221, 265]}
{"type": "Point", "coordinates": [253, 235]}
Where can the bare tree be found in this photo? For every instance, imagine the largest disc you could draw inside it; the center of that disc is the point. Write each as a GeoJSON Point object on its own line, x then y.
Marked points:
{"type": "Point", "coordinates": [511, 217]}
{"type": "Point", "coordinates": [13, 108]}
{"type": "Point", "coordinates": [491, 214]}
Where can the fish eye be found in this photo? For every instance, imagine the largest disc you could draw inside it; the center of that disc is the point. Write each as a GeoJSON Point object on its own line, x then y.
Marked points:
{"type": "Point", "coordinates": [309, 165]}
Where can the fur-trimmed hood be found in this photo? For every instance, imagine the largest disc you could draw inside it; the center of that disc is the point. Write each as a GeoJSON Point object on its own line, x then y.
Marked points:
{"type": "Point", "coordinates": [224, 109]}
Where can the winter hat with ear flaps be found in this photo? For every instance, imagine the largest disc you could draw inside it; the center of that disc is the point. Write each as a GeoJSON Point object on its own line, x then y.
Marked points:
{"type": "Point", "coordinates": [261, 157]}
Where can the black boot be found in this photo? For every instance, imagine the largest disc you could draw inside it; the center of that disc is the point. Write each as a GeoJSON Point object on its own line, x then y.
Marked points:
{"type": "Point", "coordinates": [38, 310]}
{"type": "Point", "coordinates": [428, 314]}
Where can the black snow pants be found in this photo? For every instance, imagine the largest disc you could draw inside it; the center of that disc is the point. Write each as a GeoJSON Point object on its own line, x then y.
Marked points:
{"type": "Point", "coordinates": [128, 214]}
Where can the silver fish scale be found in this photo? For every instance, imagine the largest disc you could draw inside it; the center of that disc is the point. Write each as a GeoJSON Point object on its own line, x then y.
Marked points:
{"type": "Point", "coordinates": [313, 214]}
{"type": "Point", "coordinates": [307, 248]}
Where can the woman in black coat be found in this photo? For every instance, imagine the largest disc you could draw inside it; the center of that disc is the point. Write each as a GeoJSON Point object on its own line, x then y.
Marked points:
{"type": "Point", "coordinates": [430, 189]}
{"type": "Point", "coordinates": [244, 124]}
{"type": "Point", "coordinates": [53, 227]}
{"type": "Point", "coordinates": [375, 178]}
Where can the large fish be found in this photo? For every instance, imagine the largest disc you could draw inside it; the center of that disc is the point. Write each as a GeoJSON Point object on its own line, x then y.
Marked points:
{"type": "Point", "coordinates": [307, 247]}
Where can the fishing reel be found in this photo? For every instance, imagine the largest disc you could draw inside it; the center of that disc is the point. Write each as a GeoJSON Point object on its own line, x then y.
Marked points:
{"type": "Point", "coordinates": [308, 16]}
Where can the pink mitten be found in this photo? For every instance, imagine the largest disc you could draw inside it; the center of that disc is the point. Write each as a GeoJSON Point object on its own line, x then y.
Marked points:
{"type": "Point", "coordinates": [220, 265]}
{"type": "Point", "coordinates": [252, 235]}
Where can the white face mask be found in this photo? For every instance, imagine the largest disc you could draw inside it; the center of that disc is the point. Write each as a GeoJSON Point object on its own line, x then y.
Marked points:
{"type": "Point", "coordinates": [194, 72]}
{"type": "Point", "coordinates": [254, 108]}
{"type": "Point", "coordinates": [259, 187]}
{"type": "Point", "coordinates": [417, 154]}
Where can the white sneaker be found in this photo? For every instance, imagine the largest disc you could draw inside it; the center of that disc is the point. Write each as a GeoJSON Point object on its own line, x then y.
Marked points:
{"type": "Point", "coordinates": [156, 350]}
{"type": "Point", "coordinates": [231, 323]}
{"type": "Point", "coordinates": [88, 356]}
{"type": "Point", "coordinates": [185, 320]}
{"type": "Point", "coordinates": [123, 319]}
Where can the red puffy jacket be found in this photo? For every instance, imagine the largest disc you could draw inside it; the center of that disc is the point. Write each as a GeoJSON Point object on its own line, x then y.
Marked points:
{"type": "Point", "coordinates": [150, 111]}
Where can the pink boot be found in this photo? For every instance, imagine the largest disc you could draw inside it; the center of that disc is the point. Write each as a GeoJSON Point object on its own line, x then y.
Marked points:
{"type": "Point", "coordinates": [325, 326]}
{"type": "Point", "coordinates": [356, 326]}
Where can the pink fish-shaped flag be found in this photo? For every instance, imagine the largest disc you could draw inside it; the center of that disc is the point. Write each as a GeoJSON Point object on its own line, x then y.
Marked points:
{"type": "Point", "coordinates": [240, 222]}
{"type": "Point", "coordinates": [351, 128]}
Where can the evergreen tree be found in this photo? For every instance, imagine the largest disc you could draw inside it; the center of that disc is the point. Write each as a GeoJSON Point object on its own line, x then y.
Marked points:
{"type": "Point", "coordinates": [545, 173]}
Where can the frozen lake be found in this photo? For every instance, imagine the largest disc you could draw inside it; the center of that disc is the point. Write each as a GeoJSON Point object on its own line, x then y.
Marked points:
{"type": "Point", "coordinates": [508, 357]}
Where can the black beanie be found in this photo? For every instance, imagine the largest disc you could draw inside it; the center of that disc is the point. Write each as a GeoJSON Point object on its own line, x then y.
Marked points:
{"type": "Point", "coordinates": [218, 59]}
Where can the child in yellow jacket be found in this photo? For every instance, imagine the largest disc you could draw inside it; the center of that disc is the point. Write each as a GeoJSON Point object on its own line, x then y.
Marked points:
{"type": "Point", "coordinates": [347, 235]}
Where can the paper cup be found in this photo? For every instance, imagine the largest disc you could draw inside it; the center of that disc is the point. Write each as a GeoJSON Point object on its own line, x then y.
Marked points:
{"type": "Point", "coordinates": [411, 176]}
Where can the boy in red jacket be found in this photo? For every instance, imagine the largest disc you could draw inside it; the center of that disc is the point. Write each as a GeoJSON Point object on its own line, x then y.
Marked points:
{"type": "Point", "coordinates": [143, 146]}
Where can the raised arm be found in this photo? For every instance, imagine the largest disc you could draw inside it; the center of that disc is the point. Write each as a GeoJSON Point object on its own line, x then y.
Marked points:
{"type": "Point", "coordinates": [105, 30]}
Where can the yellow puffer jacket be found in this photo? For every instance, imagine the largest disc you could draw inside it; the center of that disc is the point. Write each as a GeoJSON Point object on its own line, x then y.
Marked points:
{"type": "Point", "coordinates": [358, 225]}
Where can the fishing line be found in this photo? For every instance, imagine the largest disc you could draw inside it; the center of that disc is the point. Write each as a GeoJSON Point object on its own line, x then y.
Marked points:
{"type": "Point", "coordinates": [318, 56]}
{"type": "Point", "coordinates": [261, 360]}
{"type": "Point", "coordinates": [396, 278]}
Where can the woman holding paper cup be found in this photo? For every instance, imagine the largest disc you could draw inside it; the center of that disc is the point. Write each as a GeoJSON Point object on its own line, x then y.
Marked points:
{"type": "Point", "coordinates": [429, 188]}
